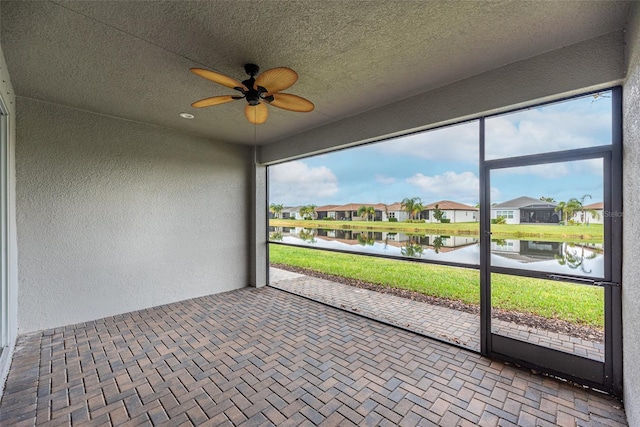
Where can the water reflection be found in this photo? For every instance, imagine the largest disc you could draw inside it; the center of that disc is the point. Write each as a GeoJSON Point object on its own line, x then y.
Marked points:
{"type": "Point", "coordinates": [366, 238]}
{"type": "Point", "coordinates": [412, 248]}
{"type": "Point", "coordinates": [276, 236]}
{"type": "Point", "coordinates": [308, 235]}
{"type": "Point", "coordinates": [526, 251]}
{"type": "Point", "coordinates": [584, 259]}
{"type": "Point", "coordinates": [574, 256]}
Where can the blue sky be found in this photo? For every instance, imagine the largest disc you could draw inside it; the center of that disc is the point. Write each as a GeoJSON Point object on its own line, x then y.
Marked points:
{"type": "Point", "coordinates": [443, 164]}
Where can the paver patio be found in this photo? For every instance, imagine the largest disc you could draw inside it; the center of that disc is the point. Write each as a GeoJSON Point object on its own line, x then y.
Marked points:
{"type": "Point", "coordinates": [442, 323]}
{"type": "Point", "coordinates": [267, 357]}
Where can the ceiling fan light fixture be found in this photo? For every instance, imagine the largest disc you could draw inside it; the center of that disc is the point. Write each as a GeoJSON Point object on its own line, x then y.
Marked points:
{"type": "Point", "coordinates": [256, 114]}
{"type": "Point", "coordinates": [188, 116]}
{"type": "Point", "coordinates": [252, 98]}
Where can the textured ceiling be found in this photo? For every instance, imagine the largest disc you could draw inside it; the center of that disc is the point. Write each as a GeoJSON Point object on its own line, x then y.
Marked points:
{"type": "Point", "coordinates": [131, 59]}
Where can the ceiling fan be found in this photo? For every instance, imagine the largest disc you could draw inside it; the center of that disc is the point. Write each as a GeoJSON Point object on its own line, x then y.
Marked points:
{"type": "Point", "coordinates": [260, 91]}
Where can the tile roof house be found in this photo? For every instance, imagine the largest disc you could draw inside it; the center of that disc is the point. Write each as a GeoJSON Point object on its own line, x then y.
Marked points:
{"type": "Point", "coordinates": [349, 211]}
{"type": "Point", "coordinates": [395, 210]}
{"type": "Point", "coordinates": [453, 211]}
{"type": "Point", "coordinates": [291, 212]}
{"type": "Point", "coordinates": [594, 214]}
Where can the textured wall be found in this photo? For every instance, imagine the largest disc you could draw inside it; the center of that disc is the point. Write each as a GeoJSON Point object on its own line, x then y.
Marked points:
{"type": "Point", "coordinates": [7, 94]}
{"type": "Point", "coordinates": [593, 63]}
{"type": "Point", "coordinates": [631, 224]}
{"type": "Point", "coordinates": [115, 216]}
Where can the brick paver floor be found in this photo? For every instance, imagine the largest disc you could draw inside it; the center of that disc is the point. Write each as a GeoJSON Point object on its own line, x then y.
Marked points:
{"type": "Point", "coordinates": [267, 357]}
{"type": "Point", "coordinates": [435, 321]}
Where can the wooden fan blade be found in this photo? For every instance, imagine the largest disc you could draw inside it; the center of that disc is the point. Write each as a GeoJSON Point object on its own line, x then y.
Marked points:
{"type": "Point", "coordinates": [276, 79]}
{"type": "Point", "coordinates": [290, 102]}
{"type": "Point", "coordinates": [215, 100]}
{"type": "Point", "coordinates": [219, 78]}
{"type": "Point", "coordinates": [256, 114]}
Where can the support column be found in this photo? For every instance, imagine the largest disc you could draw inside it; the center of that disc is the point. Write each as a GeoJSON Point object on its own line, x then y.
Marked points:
{"type": "Point", "coordinates": [259, 262]}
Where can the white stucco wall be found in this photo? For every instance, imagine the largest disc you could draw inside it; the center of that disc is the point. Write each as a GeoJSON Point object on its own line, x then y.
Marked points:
{"type": "Point", "coordinates": [455, 216]}
{"type": "Point", "coordinates": [466, 216]}
{"type": "Point", "coordinates": [514, 220]}
{"type": "Point", "coordinates": [115, 216]}
{"type": "Point", "coordinates": [399, 215]}
{"type": "Point", "coordinates": [588, 217]}
{"type": "Point", "coordinates": [631, 223]}
{"type": "Point", "coordinates": [447, 214]}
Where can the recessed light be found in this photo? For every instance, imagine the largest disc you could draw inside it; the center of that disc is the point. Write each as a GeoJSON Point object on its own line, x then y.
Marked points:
{"type": "Point", "coordinates": [187, 116]}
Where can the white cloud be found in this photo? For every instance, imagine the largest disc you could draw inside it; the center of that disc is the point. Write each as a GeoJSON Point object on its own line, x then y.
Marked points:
{"type": "Point", "coordinates": [548, 170]}
{"type": "Point", "coordinates": [591, 166]}
{"type": "Point", "coordinates": [459, 187]}
{"type": "Point", "coordinates": [294, 183]}
{"type": "Point", "coordinates": [559, 180]}
{"type": "Point", "coordinates": [385, 180]}
{"type": "Point", "coordinates": [546, 129]}
{"type": "Point", "coordinates": [555, 170]}
{"type": "Point", "coordinates": [457, 143]}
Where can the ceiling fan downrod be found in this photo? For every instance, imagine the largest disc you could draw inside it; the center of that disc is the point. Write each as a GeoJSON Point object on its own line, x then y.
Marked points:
{"type": "Point", "coordinates": [254, 93]}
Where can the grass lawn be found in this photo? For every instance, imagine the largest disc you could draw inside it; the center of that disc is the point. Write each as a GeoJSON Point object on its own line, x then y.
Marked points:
{"type": "Point", "coordinates": [593, 233]}
{"type": "Point", "coordinates": [555, 300]}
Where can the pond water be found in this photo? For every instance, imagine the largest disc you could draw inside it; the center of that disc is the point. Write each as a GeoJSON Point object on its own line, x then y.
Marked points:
{"type": "Point", "coordinates": [560, 257]}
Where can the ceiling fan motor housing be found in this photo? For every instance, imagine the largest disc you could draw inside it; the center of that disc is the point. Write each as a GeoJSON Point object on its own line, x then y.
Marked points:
{"type": "Point", "coordinates": [253, 94]}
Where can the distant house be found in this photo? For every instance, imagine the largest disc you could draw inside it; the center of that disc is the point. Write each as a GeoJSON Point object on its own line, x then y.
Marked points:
{"type": "Point", "coordinates": [349, 212]}
{"type": "Point", "coordinates": [395, 210]}
{"type": "Point", "coordinates": [290, 212]}
{"type": "Point", "coordinates": [344, 212]}
{"type": "Point", "coordinates": [589, 217]}
{"type": "Point", "coordinates": [453, 211]}
{"type": "Point", "coordinates": [326, 211]}
{"type": "Point", "coordinates": [526, 210]}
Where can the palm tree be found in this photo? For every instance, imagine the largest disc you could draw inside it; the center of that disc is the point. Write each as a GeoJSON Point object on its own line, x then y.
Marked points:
{"type": "Point", "coordinates": [548, 199]}
{"type": "Point", "coordinates": [560, 207]}
{"type": "Point", "coordinates": [275, 209]}
{"type": "Point", "coordinates": [583, 212]}
{"type": "Point", "coordinates": [367, 212]}
{"type": "Point", "coordinates": [568, 208]}
{"type": "Point", "coordinates": [408, 204]}
{"type": "Point", "coordinates": [418, 207]}
{"type": "Point", "coordinates": [308, 211]}
{"type": "Point", "coordinates": [312, 211]}
{"type": "Point", "coordinates": [303, 211]}
{"type": "Point", "coordinates": [573, 205]}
